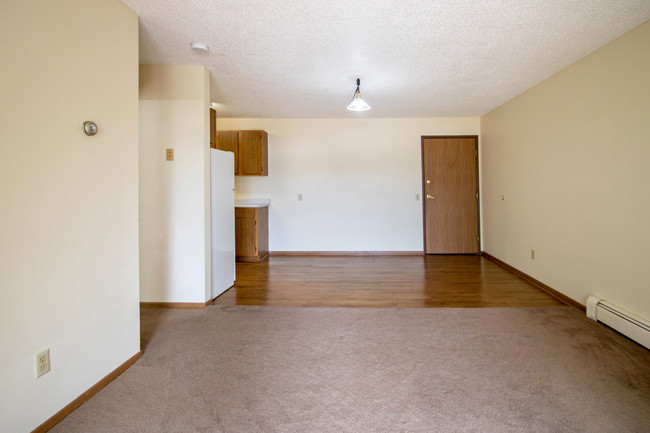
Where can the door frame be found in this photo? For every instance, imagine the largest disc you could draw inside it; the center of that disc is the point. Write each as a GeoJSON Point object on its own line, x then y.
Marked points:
{"type": "Point", "coordinates": [478, 190]}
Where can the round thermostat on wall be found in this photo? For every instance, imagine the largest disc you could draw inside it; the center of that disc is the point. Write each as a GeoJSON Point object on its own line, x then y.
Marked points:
{"type": "Point", "coordinates": [89, 127]}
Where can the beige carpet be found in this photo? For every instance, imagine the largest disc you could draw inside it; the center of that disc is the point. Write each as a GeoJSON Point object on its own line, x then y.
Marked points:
{"type": "Point", "coordinates": [288, 369]}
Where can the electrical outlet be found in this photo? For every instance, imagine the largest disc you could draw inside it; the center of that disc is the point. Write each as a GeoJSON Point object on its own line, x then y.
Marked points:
{"type": "Point", "coordinates": [169, 154]}
{"type": "Point", "coordinates": [42, 362]}
{"type": "Point", "coordinates": [299, 197]}
{"type": "Point", "coordinates": [417, 197]}
{"type": "Point", "coordinates": [532, 254]}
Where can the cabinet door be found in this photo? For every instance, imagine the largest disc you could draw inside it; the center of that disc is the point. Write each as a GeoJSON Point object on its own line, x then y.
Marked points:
{"type": "Point", "coordinates": [245, 232]}
{"type": "Point", "coordinates": [262, 232]}
{"type": "Point", "coordinates": [227, 140]}
{"type": "Point", "coordinates": [253, 153]}
{"type": "Point", "coordinates": [213, 128]}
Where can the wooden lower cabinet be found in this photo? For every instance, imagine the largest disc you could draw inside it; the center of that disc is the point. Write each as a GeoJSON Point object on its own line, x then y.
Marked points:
{"type": "Point", "coordinates": [251, 234]}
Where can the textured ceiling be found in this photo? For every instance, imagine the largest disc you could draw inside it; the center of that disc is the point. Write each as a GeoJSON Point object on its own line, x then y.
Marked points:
{"type": "Point", "coordinates": [416, 58]}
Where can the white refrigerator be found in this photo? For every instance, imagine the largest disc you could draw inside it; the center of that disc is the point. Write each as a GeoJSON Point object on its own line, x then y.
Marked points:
{"type": "Point", "coordinates": [222, 204]}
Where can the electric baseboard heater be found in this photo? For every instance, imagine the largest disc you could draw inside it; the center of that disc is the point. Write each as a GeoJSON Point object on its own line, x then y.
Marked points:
{"type": "Point", "coordinates": [624, 322]}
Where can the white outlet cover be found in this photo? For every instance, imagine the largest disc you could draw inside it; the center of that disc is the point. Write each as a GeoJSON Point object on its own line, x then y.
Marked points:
{"type": "Point", "coordinates": [42, 362]}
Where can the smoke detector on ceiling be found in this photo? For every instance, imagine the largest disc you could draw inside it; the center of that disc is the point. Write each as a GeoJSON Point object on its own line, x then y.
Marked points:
{"type": "Point", "coordinates": [200, 47]}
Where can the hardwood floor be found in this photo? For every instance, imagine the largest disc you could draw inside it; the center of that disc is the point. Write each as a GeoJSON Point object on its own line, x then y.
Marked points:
{"type": "Point", "coordinates": [381, 281]}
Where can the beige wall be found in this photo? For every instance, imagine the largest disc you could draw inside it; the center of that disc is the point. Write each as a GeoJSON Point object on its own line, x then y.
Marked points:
{"type": "Point", "coordinates": [572, 158]}
{"type": "Point", "coordinates": [174, 195]}
{"type": "Point", "coordinates": [69, 232]}
{"type": "Point", "coordinates": [358, 179]}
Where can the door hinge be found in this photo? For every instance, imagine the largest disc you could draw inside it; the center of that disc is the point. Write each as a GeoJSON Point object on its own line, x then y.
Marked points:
{"type": "Point", "coordinates": [476, 196]}
{"type": "Point", "coordinates": [478, 239]}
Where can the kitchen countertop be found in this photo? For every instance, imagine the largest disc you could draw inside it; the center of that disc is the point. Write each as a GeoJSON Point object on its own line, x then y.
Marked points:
{"type": "Point", "coordinates": [252, 202]}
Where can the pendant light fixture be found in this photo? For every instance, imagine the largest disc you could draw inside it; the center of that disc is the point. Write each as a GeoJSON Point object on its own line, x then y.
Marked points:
{"type": "Point", "coordinates": [357, 103]}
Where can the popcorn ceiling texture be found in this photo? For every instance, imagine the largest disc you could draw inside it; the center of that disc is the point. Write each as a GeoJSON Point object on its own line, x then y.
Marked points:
{"type": "Point", "coordinates": [416, 58]}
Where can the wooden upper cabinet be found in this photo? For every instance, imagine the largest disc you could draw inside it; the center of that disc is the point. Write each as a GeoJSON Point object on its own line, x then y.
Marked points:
{"type": "Point", "coordinates": [213, 128]}
{"type": "Point", "coordinates": [227, 140]}
{"type": "Point", "coordinates": [253, 153]}
{"type": "Point", "coordinates": [250, 148]}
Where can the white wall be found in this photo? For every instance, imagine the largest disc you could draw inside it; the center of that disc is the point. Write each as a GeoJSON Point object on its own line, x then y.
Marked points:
{"type": "Point", "coordinates": [358, 178]}
{"type": "Point", "coordinates": [572, 158]}
{"type": "Point", "coordinates": [69, 232]}
{"type": "Point", "coordinates": [174, 195]}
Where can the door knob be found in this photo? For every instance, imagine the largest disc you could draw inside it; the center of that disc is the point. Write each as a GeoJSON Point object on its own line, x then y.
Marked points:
{"type": "Point", "coordinates": [431, 197]}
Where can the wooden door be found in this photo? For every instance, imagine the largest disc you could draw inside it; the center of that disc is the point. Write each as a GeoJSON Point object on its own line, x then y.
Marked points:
{"type": "Point", "coordinates": [227, 140]}
{"type": "Point", "coordinates": [450, 194]}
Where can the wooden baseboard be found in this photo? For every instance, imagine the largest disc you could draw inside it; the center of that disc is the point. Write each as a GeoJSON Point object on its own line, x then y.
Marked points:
{"type": "Point", "coordinates": [548, 289]}
{"type": "Point", "coordinates": [346, 253]}
{"type": "Point", "coordinates": [251, 259]}
{"type": "Point", "coordinates": [60, 415]}
{"type": "Point", "coordinates": [176, 304]}
{"type": "Point", "coordinates": [182, 304]}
